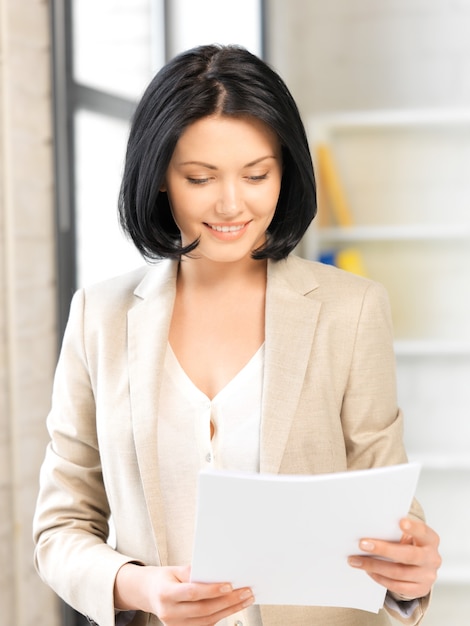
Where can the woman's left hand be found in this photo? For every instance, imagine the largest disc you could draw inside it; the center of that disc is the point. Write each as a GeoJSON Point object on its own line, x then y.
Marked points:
{"type": "Point", "coordinates": [410, 566]}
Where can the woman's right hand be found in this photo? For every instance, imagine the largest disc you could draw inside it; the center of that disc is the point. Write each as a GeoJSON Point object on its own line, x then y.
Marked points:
{"type": "Point", "coordinates": [168, 593]}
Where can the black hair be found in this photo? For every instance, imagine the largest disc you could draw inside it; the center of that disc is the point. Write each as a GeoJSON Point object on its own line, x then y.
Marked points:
{"type": "Point", "coordinates": [212, 79]}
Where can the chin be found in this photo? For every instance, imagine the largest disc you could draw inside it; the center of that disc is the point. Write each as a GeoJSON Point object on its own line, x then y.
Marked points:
{"type": "Point", "coordinates": [226, 256]}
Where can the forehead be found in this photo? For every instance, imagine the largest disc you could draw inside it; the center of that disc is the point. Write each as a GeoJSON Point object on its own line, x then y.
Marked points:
{"type": "Point", "coordinates": [226, 136]}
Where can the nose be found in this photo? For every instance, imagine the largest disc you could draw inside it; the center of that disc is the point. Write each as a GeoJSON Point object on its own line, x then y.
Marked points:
{"type": "Point", "coordinates": [229, 201]}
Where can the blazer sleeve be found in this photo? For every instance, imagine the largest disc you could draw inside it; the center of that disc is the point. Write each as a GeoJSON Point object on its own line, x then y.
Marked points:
{"type": "Point", "coordinates": [71, 521]}
{"type": "Point", "coordinates": [372, 423]}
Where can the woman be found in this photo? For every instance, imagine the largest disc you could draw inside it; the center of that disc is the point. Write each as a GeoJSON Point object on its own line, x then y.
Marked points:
{"type": "Point", "coordinates": [227, 352]}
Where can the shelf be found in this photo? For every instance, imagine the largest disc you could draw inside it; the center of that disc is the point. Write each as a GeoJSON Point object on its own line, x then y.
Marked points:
{"type": "Point", "coordinates": [455, 463]}
{"type": "Point", "coordinates": [433, 347]}
{"type": "Point", "coordinates": [453, 575]}
{"type": "Point", "coordinates": [410, 232]}
{"type": "Point", "coordinates": [322, 125]}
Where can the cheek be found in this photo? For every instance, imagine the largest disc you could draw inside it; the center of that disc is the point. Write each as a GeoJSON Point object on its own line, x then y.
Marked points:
{"type": "Point", "coordinates": [187, 210]}
{"type": "Point", "coordinates": [267, 201]}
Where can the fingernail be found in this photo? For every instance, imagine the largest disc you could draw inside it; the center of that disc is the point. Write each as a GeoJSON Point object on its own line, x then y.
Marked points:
{"type": "Point", "coordinates": [248, 602]}
{"type": "Point", "coordinates": [226, 589]}
{"type": "Point", "coordinates": [367, 546]}
{"type": "Point", "coordinates": [406, 524]}
{"type": "Point", "coordinates": [354, 561]}
{"type": "Point", "coordinates": [246, 594]}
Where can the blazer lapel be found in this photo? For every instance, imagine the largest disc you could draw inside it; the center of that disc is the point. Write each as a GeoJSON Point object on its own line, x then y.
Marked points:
{"type": "Point", "coordinates": [148, 327]}
{"type": "Point", "coordinates": [291, 319]}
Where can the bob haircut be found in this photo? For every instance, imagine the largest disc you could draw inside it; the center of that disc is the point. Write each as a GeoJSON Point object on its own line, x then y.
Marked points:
{"type": "Point", "coordinates": [208, 80]}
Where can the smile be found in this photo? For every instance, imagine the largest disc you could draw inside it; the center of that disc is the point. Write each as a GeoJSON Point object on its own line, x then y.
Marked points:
{"type": "Point", "coordinates": [227, 229]}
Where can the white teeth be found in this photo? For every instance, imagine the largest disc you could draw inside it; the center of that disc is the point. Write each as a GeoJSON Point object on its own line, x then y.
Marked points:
{"type": "Point", "coordinates": [227, 229]}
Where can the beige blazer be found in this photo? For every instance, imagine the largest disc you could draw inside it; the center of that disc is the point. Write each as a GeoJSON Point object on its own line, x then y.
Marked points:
{"type": "Point", "coordinates": [329, 405]}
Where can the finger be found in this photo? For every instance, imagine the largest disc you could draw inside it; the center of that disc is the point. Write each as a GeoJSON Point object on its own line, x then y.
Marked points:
{"type": "Point", "coordinates": [385, 569]}
{"type": "Point", "coordinates": [212, 610]}
{"type": "Point", "coordinates": [195, 592]}
{"type": "Point", "coordinates": [224, 612]}
{"type": "Point", "coordinates": [404, 553]}
{"type": "Point", "coordinates": [405, 581]}
{"type": "Point", "coordinates": [418, 532]}
{"type": "Point", "coordinates": [406, 590]}
{"type": "Point", "coordinates": [228, 604]}
{"type": "Point", "coordinates": [188, 591]}
{"type": "Point", "coordinates": [418, 545]}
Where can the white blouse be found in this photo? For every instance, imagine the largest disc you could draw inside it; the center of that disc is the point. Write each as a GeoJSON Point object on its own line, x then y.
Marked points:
{"type": "Point", "coordinates": [235, 413]}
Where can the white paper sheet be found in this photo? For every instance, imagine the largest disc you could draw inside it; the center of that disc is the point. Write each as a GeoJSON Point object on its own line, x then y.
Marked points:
{"type": "Point", "coordinates": [288, 537]}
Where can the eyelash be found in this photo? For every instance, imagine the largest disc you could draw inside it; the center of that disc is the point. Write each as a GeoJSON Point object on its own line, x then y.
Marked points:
{"type": "Point", "coordinates": [202, 181]}
{"type": "Point", "coordinates": [197, 181]}
{"type": "Point", "coordinates": [255, 179]}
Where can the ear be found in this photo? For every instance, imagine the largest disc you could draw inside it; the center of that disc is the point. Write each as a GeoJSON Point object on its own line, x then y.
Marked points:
{"type": "Point", "coordinates": [163, 186]}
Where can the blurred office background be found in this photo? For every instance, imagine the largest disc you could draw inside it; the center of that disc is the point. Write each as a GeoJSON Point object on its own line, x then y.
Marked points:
{"type": "Point", "coordinates": [384, 84]}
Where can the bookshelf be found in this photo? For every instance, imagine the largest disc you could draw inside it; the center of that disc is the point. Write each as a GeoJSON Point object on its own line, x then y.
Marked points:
{"type": "Point", "coordinates": [405, 179]}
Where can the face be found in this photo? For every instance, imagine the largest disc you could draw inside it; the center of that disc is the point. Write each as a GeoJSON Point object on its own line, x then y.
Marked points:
{"type": "Point", "coordinates": [223, 184]}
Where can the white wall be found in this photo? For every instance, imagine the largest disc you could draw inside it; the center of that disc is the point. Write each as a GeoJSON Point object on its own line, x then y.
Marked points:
{"type": "Point", "coordinates": [361, 54]}
{"type": "Point", "coordinates": [27, 300]}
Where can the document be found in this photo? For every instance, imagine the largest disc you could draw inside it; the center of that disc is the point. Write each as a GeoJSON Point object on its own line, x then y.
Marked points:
{"type": "Point", "coordinates": [288, 537]}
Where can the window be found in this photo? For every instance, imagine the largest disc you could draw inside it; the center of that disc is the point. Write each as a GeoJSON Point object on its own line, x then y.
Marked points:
{"type": "Point", "coordinates": [105, 53]}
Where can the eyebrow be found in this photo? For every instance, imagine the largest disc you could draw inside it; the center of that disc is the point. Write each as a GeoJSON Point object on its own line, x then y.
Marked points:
{"type": "Point", "coordinates": [214, 167]}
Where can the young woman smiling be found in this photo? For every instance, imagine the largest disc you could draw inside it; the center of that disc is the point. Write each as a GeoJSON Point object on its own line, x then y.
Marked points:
{"type": "Point", "coordinates": [227, 352]}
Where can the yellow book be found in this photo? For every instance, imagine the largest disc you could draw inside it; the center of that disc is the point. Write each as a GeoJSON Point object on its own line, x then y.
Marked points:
{"type": "Point", "coordinates": [350, 259]}
{"type": "Point", "coordinates": [324, 217]}
{"type": "Point", "coordinates": [331, 186]}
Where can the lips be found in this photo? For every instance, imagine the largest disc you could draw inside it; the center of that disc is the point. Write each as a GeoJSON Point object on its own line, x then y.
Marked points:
{"type": "Point", "coordinates": [227, 231]}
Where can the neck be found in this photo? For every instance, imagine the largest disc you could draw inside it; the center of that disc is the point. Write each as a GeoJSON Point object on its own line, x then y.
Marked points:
{"type": "Point", "coordinates": [205, 274]}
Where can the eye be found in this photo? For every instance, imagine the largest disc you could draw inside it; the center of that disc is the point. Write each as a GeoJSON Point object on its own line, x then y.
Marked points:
{"type": "Point", "coordinates": [257, 178]}
{"type": "Point", "coordinates": [197, 181]}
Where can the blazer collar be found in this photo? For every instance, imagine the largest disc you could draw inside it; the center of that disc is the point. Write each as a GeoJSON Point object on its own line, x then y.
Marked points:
{"type": "Point", "coordinates": [291, 320]}
{"type": "Point", "coordinates": [159, 278]}
{"type": "Point", "coordinates": [148, 327]}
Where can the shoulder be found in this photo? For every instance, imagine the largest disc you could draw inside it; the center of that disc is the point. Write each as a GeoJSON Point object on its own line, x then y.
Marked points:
{"type": "Point", "coordinates": [141, 282]}
{"type": "Point", "coordinates": [116, 286]}
{"type": "Point", "coordinates": [342, 297]}
{"type": "Point", "coordinates": [322, 281]}
{"type": "Point", "coordinates": [114, 297]}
